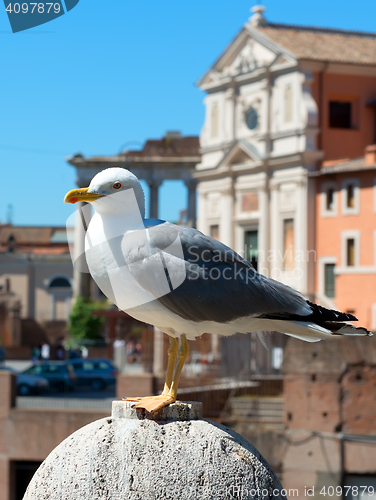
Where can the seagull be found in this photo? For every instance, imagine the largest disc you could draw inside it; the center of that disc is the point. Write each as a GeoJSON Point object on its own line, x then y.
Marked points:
{"type": "Point", "coordinates": [184, 282]}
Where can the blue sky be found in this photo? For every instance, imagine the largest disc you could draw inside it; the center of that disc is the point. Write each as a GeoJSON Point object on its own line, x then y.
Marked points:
{"type": "Point", "coordinates": [114, 71]}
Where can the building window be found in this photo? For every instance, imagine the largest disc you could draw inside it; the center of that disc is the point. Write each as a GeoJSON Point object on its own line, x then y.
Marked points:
{"type": "Point", "coordinates": [214, 231]}
{"type": "Point", "coordinates": [214, 121]}
{"type": "Point", "coordinates": [21, 473]}
{"type": "Point", "coordinates": [288, 103]}
{"type": "Point", "coordinates": [288, 244]}
{"type": "Point", "coordinates": [350, 252]}
{"type": "Point", "coordinates": [60, 291]}
{"type": "Point", "coordinates": [340, 114]}
{"type": "Point", "coordinates": [60, 282]}
{"type": "Point", "coordinates": [350, 197]}
{"type": "Point", "coordinates": [251, 247]}
{"type": "Point", "coordinates": [329, 280]}
{"type": "Point", "coordinates": [330, 199]}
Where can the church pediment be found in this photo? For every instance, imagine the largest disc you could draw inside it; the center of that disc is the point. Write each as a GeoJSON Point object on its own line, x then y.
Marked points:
{"type": "Point", "coordinates": [251, 57]}
{"type": "Point", "coordinates": [242, 152]}
{"type": "Point", "coordinates": [248, 52]}
{"type": "Point", "coordinates": [240, 157]}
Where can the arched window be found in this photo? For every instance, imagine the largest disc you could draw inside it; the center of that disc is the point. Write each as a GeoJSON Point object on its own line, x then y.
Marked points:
{"type": "Point", "coordinates": [60, 291]}
{"type": "Point", "coordinates": [59, 282]}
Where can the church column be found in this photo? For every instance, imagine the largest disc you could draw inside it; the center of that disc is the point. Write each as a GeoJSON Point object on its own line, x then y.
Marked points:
{"type": "Point", "coordinates": [226, 219]}
{"type": "Point", "coordinates": [154, 195]}
{"type": "Point", "coordinates": [231, 111]}
{"type": "Point", "coordinates": [264, 249]}
{"type": "Point", "coordinates": [191, 212]}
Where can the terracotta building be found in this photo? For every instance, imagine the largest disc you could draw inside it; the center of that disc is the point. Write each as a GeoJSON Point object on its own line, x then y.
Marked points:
{"type": "Point", "coordinates": [346, 236]}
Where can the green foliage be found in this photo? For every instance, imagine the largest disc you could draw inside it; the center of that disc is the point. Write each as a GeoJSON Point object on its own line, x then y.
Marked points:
{"type": "Point", "coordinates": [82, 324]}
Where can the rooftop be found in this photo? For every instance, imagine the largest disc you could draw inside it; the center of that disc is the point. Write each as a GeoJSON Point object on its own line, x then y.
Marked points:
{"type": "Point", "coordinates": [323, 44]}
{"type": "Point", "coordinates": [35, 239]}
{"type": "Point", "coordinates": [364, 163]}
{"type": "Point", "coordinates": [172, 147]}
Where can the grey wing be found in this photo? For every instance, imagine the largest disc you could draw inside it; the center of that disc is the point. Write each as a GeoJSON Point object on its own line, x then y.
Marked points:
{"type": "Point", "coordinates": [218, 284]}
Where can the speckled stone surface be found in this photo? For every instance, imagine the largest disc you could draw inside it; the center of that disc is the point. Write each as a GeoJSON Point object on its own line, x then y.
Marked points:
{"type": "Point", "coordinates": [174, 454]}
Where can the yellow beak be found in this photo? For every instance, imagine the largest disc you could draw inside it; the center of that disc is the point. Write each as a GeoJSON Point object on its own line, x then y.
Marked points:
{"type": "Point", "coordinates": [81, 195]}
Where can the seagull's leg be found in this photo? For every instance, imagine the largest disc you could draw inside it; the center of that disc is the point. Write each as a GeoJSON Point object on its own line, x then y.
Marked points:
{"type": "Point", "coordinates": [182, 356]}
{"type": "Point", "coordinates": [152, 403]}
{"type": "Point", "coordinates": [172, 355]}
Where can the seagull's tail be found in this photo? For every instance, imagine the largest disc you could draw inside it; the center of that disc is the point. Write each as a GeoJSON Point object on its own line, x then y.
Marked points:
{"type": "Point", "coordinates": [320, 324]}
{"type": "Point", "coordinates": [312, 332]}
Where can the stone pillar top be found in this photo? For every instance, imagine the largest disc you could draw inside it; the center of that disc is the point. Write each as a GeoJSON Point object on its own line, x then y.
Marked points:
{"type": "Point", "coordinates": [132, 459]}
{"type": "Point", "coordinates": [179, 411]}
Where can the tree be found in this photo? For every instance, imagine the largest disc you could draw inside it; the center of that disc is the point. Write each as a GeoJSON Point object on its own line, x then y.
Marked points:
{"type": "Point", "coordinates": [82, 324]}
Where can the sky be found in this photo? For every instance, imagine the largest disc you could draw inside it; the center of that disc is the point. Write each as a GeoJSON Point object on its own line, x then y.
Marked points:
{"type": "Point", "coordinates": [115, 72]}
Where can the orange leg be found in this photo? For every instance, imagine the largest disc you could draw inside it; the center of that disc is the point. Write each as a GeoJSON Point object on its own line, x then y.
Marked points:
{"type": "Point", "coordinates": [169, 394]}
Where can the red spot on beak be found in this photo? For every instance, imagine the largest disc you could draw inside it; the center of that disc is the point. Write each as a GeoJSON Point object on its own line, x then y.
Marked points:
{"type": "Point", "coordinates": [73, 200]}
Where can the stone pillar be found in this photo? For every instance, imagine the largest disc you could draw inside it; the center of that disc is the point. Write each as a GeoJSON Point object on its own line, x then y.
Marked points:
{"type": "Point", "coordinates": [172, 453]}
{"type": "Point", "coordinates": [81, 276]}
{"type": "Point", "coordinates": [15, 322]}
{"type": "Point", "coordinates": [4, 478]}
{"type": "Point", "coordinates": [53, 306]}
{"type": "Point", "coordinates": [154, 195]}
{"type": "Point", "coordinates": [158, 366]}
{"type": "Point", "coordinates": [191, 211]}
{"type": "Point", "coordinates": [8, 391]}
{"type": "Point", "coordinates": [31, 289]}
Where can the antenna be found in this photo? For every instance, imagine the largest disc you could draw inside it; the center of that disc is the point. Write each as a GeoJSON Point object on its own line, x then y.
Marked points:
{"type": "Point", "coordinates": [10, 213]}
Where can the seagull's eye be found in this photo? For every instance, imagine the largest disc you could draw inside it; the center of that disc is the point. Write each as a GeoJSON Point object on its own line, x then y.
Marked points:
{"type": "Point", "coordinates": [117, 185]}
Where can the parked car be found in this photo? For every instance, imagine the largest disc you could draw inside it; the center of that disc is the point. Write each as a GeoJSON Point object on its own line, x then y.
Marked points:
{"type": "Point", "coordinates": [28, 384]}
{"type": "Point", "coordinates": [60, 375]}
{"type": "Point", "coordinates": [96, 373]}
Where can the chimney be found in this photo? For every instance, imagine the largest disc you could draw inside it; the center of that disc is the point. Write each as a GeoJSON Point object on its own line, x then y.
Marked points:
{"type": "Point", "coordinates": [173, 134]}
{"type": "Point", "coordinates": [370, 155]}
{"type": "Point", "coordinates": [11, 243]}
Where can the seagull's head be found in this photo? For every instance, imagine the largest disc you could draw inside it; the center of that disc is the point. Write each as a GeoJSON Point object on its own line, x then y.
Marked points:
{"type": "Point", "coordinates": [109, 192]}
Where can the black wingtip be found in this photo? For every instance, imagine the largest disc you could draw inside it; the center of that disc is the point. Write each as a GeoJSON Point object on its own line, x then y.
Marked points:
{"type": "Point", "coordinates": [321, 313]}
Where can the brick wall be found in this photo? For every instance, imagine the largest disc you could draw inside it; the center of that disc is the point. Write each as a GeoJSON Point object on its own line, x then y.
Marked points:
{"type": "Point", "coordinates": [359, 400]}
{"type": "Point", "coordinates": [329, 387]}
{"type": "Point", "coordinates": [312, 402]}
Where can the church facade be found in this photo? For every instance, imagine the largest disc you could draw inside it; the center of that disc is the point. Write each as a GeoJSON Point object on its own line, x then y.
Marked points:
{"type": "Point", "coordinates": [270, 121]}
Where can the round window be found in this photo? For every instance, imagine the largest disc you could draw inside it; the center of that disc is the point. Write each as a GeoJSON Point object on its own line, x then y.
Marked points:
{"type": "Point", "coordinates": [251, 118]}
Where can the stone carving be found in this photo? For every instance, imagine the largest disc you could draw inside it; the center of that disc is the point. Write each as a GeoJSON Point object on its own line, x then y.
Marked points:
{"type": "Point", "coordinates": [244, 62]}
